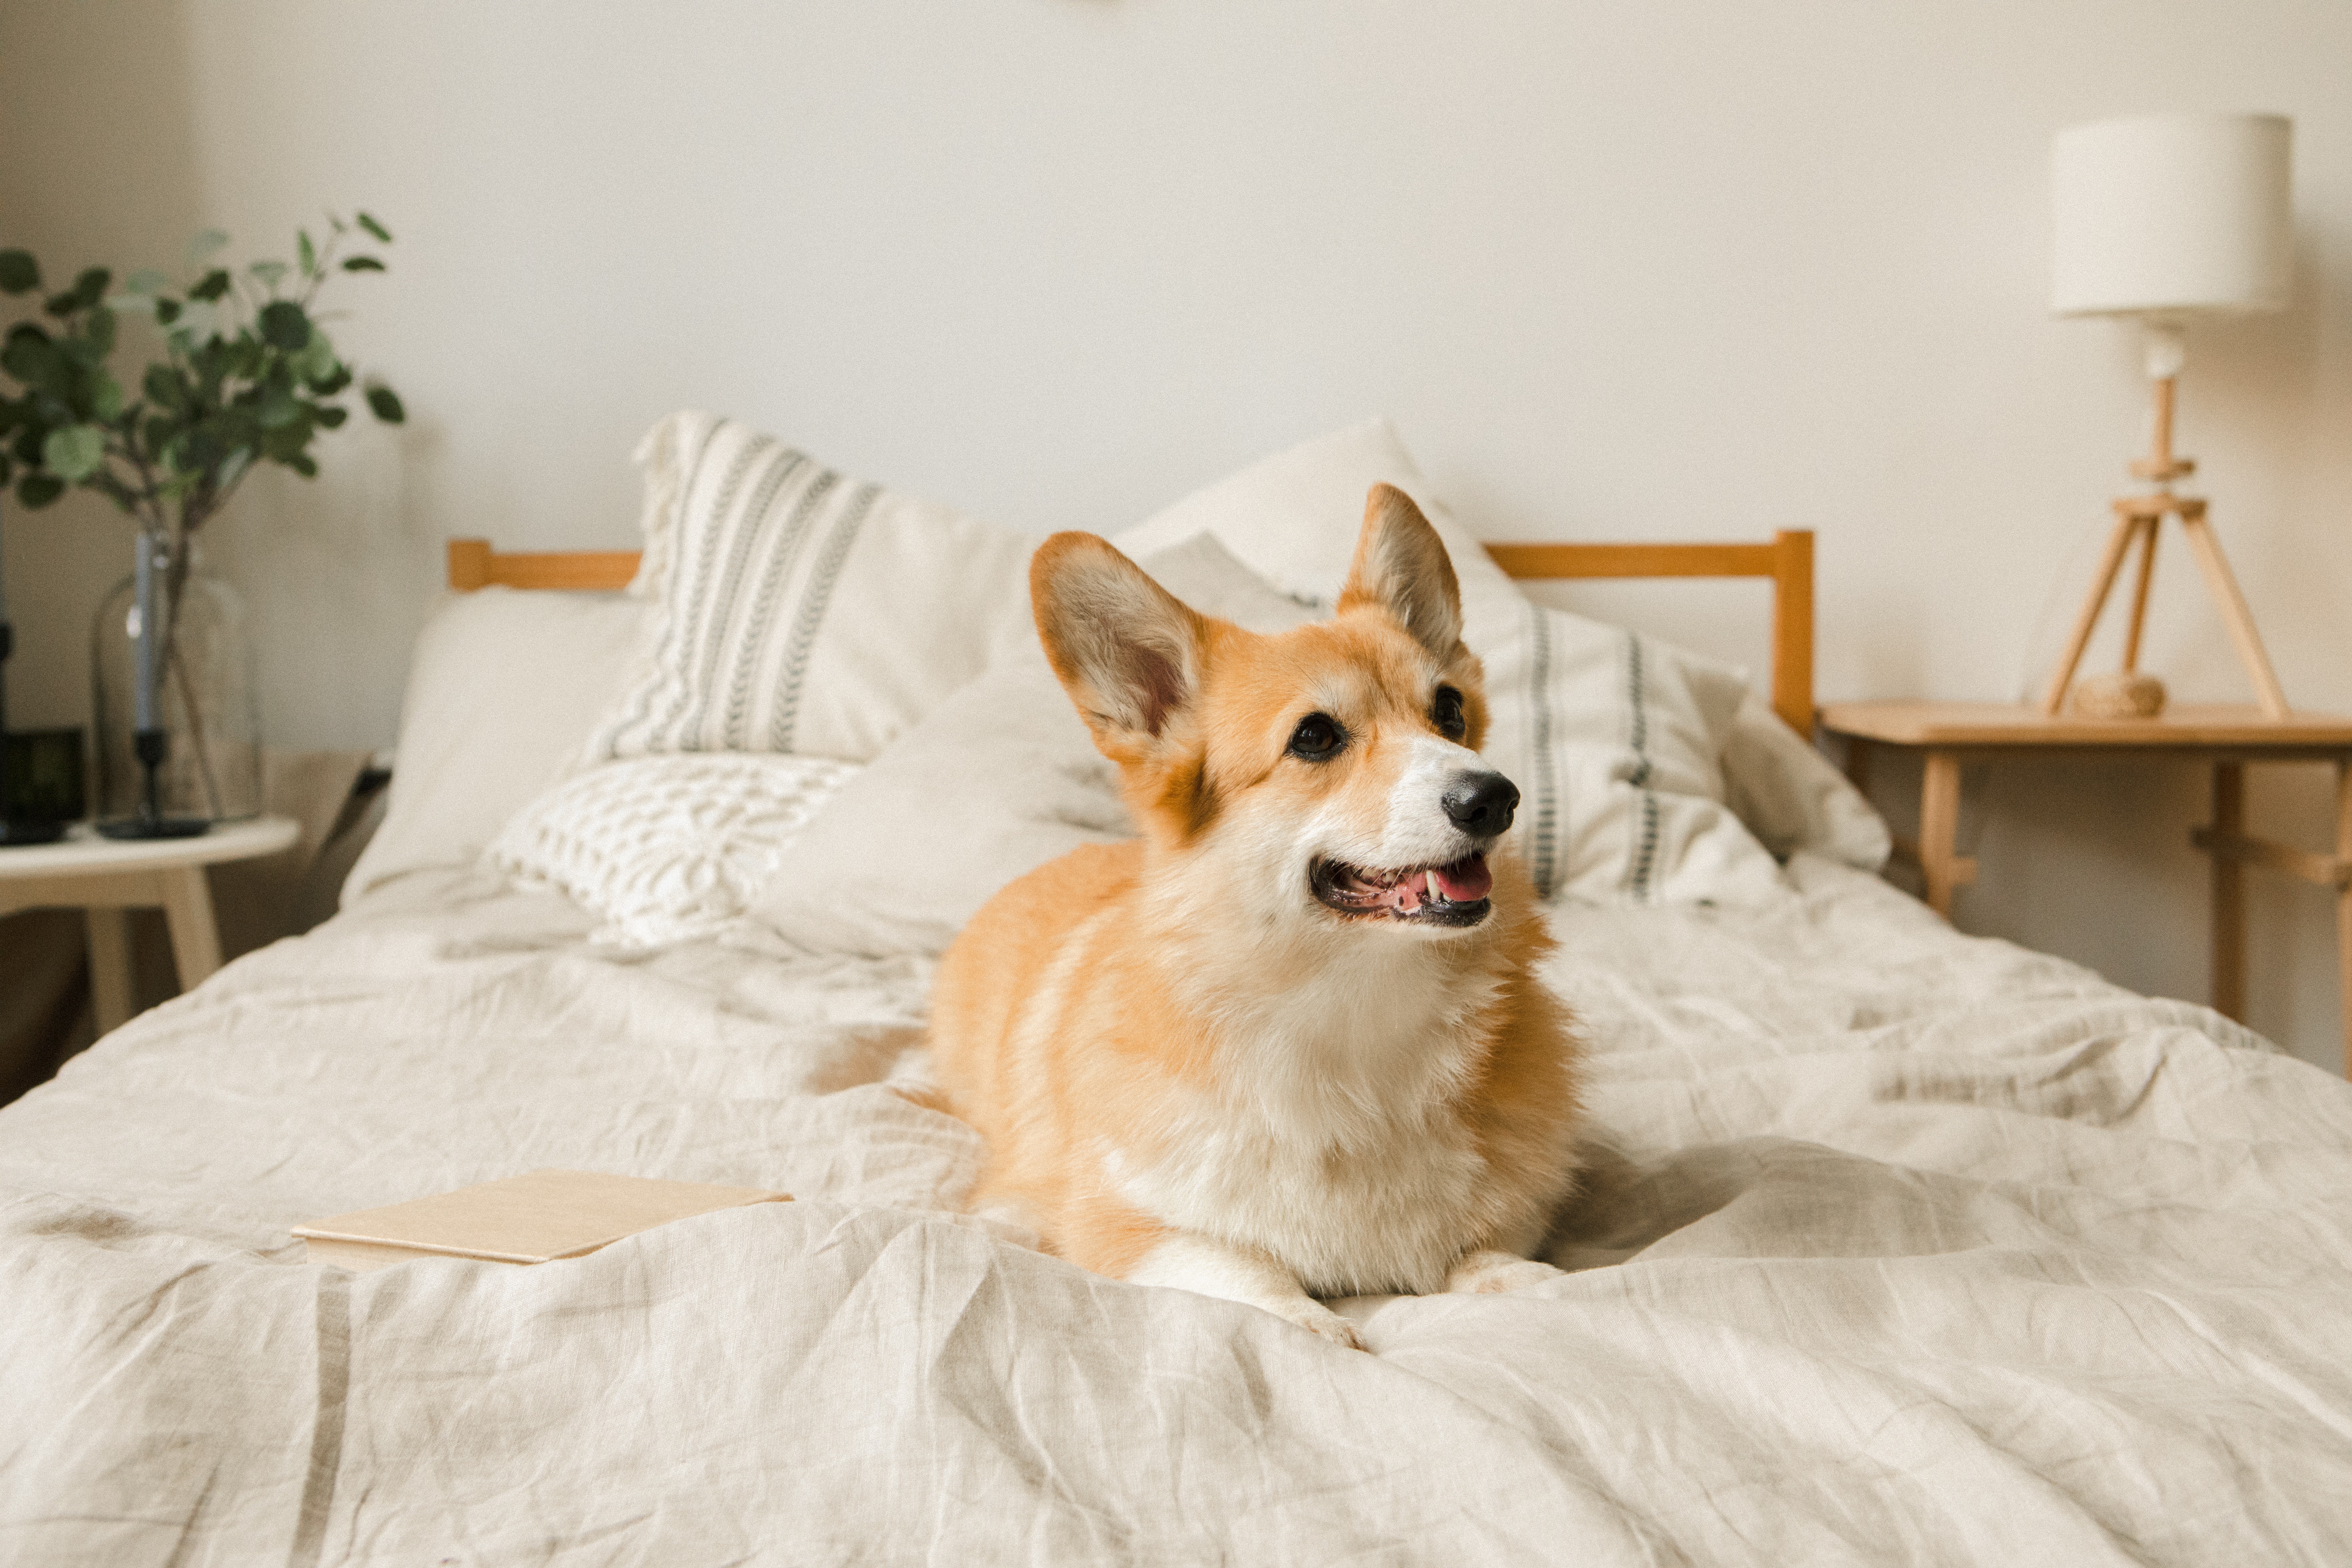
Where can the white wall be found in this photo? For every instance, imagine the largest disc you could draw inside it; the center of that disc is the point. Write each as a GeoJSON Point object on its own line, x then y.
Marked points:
{"type": "Point", "coordinates": [1699, 269]}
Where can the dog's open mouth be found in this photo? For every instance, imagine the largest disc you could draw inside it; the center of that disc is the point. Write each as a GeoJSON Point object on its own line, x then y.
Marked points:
{"type": "Point", "coordinates": [1453, 895]}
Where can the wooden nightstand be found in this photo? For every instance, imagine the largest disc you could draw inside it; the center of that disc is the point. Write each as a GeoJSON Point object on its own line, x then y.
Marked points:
{"type": "Point", "coordinates": [1948, 733]}
{"type": "Point", "coordinates": [107, 877]}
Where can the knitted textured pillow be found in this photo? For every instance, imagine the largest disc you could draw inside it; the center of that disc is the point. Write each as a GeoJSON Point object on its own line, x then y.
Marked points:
{"type": "Point", "coordinates": [667, 849]}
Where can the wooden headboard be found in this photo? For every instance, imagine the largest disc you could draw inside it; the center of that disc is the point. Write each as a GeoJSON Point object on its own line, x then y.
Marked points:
{"type": "Point", "coordinates": [1788, 561]}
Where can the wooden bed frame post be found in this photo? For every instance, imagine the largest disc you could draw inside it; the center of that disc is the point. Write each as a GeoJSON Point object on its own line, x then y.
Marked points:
{"type": "Point", "coordinates": [469, 564]}
{"type": "Point", "coordinates": [1792, 628]}
{"type": "Point", "coordinates": [1788, 561]}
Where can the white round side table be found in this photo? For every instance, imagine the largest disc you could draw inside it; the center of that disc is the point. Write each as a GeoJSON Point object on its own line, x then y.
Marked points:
{"type": "Point", "coordinates": [108, 878]}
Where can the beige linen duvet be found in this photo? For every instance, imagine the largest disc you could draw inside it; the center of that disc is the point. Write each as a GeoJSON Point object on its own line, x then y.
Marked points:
{"type": "Point", "coordinates": [1895, 1246]}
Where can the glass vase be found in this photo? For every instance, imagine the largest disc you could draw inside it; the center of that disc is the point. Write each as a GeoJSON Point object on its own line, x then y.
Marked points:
{"type": "Point", "coordinates": [201, 696]}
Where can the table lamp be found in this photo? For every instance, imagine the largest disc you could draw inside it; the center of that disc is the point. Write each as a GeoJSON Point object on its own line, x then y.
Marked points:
{"type": "Point", "coordinates": [2168, 218]}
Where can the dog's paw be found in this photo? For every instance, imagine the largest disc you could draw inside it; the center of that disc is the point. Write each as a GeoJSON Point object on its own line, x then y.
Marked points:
{"type": "Point", "coordinates": [1317, 1320]}
{"type": "Point", "coordinates": [1487, 1272]}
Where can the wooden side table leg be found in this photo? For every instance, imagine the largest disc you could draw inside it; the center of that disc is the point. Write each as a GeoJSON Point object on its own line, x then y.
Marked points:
{"type": "Point", "coordinates": [2229, 891]}
{"type": "Point", "coordinates": [109, 930]}
{"type": "Point", "coordinates": [188, 910]}
{"type": "Point", "coordinates": [2344, 902]}
{"type": "Point", "coordinates": [1857, 762]}
{"type": "Point", "coordinates": [1939, 831]}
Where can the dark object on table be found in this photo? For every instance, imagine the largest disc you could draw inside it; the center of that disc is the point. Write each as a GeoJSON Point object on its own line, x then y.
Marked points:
{"type": "Point", "coordinates": [41, 780]}
{"type": "Point", "coordinates": [12, 828]}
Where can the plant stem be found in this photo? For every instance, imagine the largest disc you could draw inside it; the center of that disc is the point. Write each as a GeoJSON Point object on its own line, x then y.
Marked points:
{"type": "Point", "coordinates": [175, 585]}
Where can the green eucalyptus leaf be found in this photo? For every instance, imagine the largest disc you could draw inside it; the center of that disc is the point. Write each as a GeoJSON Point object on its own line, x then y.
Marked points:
{"type": "Point", "coordinates": [26, 355]}
{"type": "Point", "coordinates": [375, 228]}
{"type": "Point", "coordinates": [305, 253]}
{"type": "Point", "coordinates": [105, 397]}
{"type": "Point", "coordinates": [74, 453]}
{"type": "Point", "coordinates": [327, 416]}
{"type": "Point", "coordinates": [28, 443]}
{"type": "Point", "coordinates": [269, 272]}
{"type": "Point", "coordinates": [168, 311]}
{"type": "Point", "coordinates": [7, 470]}
{"type": "Point", "coordinates": [333, 382]}
{"type": "Point", "coordinates": [316, 361]}
{"type": "Point", "coordinates": [278, 408]}
{"type": "Point", "coordinates": [43, 366]}
{"type": "Point", "coordinates": [363, 263]}
{"type": "Point", "coordinates": [234, 427]}
{"type": "Point", "coordinates": [204, 245]}
{"type": "Point", "coordinates": [38, 490]}
{"type": "Point", "coordinates": [285, 443]}
{"type": "Point", "coordinates": [165, 387]}
{"type": "Point", "coordinates": [98, 331]}
{"type": "Point", "coordinates": [90, 287]}
{"type": "Point", "coordinates": [62, 305]}
{"type": "Point", "coordinates": [212, 285]}
{"type": "Point", "coordinates": [146, 280]}
{"type": "Point", "coordinates": [19, 273]}
{"type": "Point", "coordinates": [385, 403]}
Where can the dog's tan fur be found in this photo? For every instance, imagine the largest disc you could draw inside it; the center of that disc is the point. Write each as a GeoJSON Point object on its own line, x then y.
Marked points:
{"type": "Point", "coordinates": [1190, 1071]}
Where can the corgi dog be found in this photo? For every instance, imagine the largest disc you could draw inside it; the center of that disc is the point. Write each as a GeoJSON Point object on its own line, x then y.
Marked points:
{"type": "Point", "coordinates": [1289, 1042]}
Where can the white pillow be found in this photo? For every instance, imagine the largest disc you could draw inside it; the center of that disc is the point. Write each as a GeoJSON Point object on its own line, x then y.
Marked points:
{"type": "Point", "coordinates": [1000, 779]}
{"type": "Point", "coordinates": [667, 849]}
{"type": "Point", "coordinates": [1620, 781]}
{"type": "Point", "coordinates": [1790, 797]}
{"type": "Point", "coordinates": [796, 610]}
{"type": "Point", "coordinates": [1293, 518]}
{"type": "Point", "coordinates": [503, 691]}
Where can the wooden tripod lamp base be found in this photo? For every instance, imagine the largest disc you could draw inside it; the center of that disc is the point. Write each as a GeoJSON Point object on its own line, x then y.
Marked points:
{"type": "Point", "coordinates": [2139, 520]}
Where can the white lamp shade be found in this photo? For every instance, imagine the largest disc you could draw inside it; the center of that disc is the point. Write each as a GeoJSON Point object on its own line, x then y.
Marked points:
{"type": "Point", "coordinates": [2171, 215]}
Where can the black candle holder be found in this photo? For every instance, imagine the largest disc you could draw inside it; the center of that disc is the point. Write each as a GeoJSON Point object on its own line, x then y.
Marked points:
{"type": "Point", "coordinates": [152, 747]}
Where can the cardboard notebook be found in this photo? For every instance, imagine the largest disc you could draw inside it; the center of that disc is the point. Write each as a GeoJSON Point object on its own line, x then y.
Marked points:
{"type": "Point", "coordinates": [536, 1218]}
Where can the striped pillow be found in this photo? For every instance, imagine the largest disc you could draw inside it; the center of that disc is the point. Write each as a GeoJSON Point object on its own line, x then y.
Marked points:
{"type": "Point", "coordinates": [796, 609]}
{"type": "Point", "coordinates": [1616, 742]}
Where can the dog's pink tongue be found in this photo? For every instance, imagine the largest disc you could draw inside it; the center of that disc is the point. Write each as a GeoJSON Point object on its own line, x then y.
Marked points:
{"type": "Point", "coordinates": [1467, 880]}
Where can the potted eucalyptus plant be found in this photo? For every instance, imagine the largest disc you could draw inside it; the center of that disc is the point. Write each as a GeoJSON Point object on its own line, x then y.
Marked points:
{"type": "Point", "coordinates": [248, 376]}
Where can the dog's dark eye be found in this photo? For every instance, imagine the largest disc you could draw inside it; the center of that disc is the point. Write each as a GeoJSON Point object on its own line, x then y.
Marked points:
{"type": "Point", "coordinates": [1447, 712]}
{"type": "Point", "coordinates": [1317, 738]}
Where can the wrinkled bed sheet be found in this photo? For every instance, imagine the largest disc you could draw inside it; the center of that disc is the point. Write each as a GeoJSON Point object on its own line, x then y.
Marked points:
{"type": "Point", "coordinates": [1895, 1246]}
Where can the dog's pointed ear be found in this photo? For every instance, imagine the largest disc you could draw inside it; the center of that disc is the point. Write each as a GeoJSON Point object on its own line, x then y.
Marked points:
{"type": "Point", "coordinates": [1401, 567]}
{"type": "Point", "coordinates": [1127, 650]}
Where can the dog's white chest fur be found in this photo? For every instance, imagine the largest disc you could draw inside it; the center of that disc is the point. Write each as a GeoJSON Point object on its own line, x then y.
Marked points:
{"type": "Point", "coordinates": [1335, 1140]}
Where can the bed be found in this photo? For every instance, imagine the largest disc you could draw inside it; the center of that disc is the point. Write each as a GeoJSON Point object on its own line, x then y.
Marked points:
{"type": "Point", "coordinates": [1893, 1245]}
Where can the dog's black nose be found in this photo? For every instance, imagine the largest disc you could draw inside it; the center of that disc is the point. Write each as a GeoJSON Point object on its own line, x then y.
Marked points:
{"type": "Point", "coordinates": [1481, 804]}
